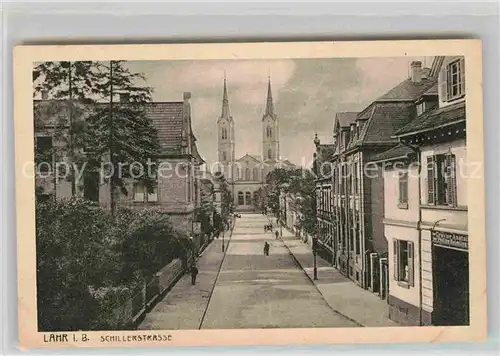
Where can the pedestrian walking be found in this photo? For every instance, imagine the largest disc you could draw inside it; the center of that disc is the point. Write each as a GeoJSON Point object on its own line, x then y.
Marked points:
{"type": "Point", "coordinates": [266, 249]}
{"type": "Point", "coordinates": [277, 234]}
{"type": "Point", "coordinates": [194, 273]}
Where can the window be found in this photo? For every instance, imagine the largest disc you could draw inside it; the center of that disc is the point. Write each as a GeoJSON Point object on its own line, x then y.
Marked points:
{"type": "Point", "coordinates": [247, 174]}
{"type": "Point", "coordinates": [255, 174]}
{"type": "Point", "coordinates": [224, 133]}
{"type": "Point", "coordinates": [403, 262]}
{"type": "Point", "coordinates": [452, 80]}
{"type": "Point", "coordinates": [241, 200]}
{"type": "Point", "coordinates": [248, 198]}
{"type": "Point", "coordinates": [44, 154]}
{"type": "Point", "coordinates": [224, 156]}
{"type": "Point", "coordinates": [455, 78]}
{"type": "Point", "coordinates": [269, 131]}
{"type": "Point", "coordinates": [355, 178]}
{"type": "Point", "coordinates": [420, 108]}
{"type": "Point", "coordinates": [269, 152]}
{"type": "Point", "coordinates": [441, 180]}
{"type": "Point", "coordinates": [403, 190]}
{"type": "Point", "coordinates": [141, 193]}
{"type": "Point", "coordinates": [138, 192]}
{"type": "Point", "coordinates": [91, 186]}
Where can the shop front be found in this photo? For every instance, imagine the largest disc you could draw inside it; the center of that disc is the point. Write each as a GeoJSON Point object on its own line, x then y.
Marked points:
{"type": "Point", "coordinates": [450, 276]}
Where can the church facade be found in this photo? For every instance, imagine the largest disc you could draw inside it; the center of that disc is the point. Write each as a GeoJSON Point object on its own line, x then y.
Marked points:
{"type": "Point", "coordinates": [247, 174]}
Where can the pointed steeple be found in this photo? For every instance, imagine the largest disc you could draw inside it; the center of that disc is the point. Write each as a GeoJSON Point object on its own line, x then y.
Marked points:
{"type": "Point", "coordinates": [225, 101]}
{"type": "Point", "coordinates": [269, 102]}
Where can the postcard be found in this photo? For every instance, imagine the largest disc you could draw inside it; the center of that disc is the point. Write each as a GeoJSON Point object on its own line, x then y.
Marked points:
{"type": "Point", "coordinates": [292, 193]}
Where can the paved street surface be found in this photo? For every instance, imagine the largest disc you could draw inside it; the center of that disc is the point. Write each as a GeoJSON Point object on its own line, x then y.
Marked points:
{"type": "Point", "coordinates": [184, 305]}
{"type": "Point", "coordinates": [342, 294]}
{"type": "Point", "coordinates": [257, 291]}
{"type": "Point", "coordinates": [251, 290]}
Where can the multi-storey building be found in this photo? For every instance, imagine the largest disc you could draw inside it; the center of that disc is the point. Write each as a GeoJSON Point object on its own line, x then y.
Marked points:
{"type": "Point", "coordinates": [177, 191]}
{"type": "Point", "coordinates": [247, 175]}
{"type": "Point", "coordinates": [357, 199]}
{"type": "Point", "coordinates": [426, 207]}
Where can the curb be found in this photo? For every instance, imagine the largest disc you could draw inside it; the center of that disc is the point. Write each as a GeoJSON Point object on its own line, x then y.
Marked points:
{"type": "Point", "coordinates": [216, 278]}
{"type": "Point", "coordinates": [315, 286]}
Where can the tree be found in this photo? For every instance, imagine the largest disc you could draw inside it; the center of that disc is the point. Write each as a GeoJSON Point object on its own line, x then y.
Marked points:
{"type": "Point", "coordinates": [72, 85]}
{"type": "Point", "coordinates": [301, 184]}
{"type": "Point", "coordinates": [119, 132]}
{"type": "Point", "coordinates": [227, 206]}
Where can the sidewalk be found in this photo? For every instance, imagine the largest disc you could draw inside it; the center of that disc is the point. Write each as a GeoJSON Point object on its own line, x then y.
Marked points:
{"type": "Point", "coordinates": [184, 305]}
{"type": "Point", "coordinates": [343, 295]}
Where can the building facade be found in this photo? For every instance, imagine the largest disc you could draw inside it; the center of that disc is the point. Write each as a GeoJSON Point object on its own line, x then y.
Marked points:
{"type": "Point", "coordinates": [177, 192]}
{"type": "Point", "coordinates": [357, 185]}
{"type": "Point", "coordinates": [428, 237]}
{"type": "Point", "coordinates": [247, 175]}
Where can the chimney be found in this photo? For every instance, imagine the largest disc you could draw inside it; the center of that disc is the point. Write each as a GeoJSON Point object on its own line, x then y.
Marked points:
{"type": "Point", "coordinates": [45, 94]}
{"type": "Point", "coordinates": [187, 95]}
{"type": "Point", "coordinates": [124, 97]}
{"type": "Point", "coordinates": [416, 71]}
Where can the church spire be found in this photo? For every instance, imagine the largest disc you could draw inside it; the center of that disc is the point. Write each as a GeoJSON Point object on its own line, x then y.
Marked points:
{"type": "Point", "coordinates": [225, 101]}
{"type": "Point", "coordinates": [269, 103]}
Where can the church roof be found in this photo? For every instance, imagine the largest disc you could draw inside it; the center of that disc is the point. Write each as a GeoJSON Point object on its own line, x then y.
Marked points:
{"type": "Point", "coordinates": [269, 102]}
{"type": "Point", "coordinates": [225, 102]}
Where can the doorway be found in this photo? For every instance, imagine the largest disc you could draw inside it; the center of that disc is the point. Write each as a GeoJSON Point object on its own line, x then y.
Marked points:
{"type": "Point", "coordinates": [451, 287]}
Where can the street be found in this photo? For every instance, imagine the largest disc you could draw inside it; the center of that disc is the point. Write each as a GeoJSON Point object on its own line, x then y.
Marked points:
{"type": "Point", "coordinates": [250, 291]}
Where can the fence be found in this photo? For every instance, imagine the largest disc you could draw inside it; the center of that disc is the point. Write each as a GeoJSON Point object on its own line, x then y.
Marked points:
{"type": "Point", "coordinates": [129, 308]}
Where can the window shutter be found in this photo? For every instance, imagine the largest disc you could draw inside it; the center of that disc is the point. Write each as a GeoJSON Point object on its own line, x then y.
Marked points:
{"type": "Point", "coordinates": [411, 278]}
{"type": "Point", "coordinates": [430, 180]}
{"type": "Point", "coordinates": [462, 76]}
{"type": "Point", "coordinates": [395, 258]}
{"type": "Point", "coordinates": [400, 193]}
{"type": "Point", "coordinates": [451, 179]}
{"type": "Point", "coordinates": [443, 83]}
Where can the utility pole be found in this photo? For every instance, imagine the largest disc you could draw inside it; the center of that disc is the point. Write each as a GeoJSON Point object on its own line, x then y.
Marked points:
{"type": "Point", "coordinates": [111, 144]}
{"type": "Point", "coordinates": [71, 128]}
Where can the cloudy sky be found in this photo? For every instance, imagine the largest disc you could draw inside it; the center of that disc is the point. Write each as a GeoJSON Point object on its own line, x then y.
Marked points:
{"type": "Point", "coordinates": [307, 94]}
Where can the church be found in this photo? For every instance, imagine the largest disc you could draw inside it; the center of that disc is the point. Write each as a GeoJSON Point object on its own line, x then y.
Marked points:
{"type": "Point", "coordinates": [247, 175]}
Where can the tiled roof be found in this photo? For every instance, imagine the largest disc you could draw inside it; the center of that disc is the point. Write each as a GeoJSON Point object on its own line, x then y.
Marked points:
{"type": "Point", "coordinates": [407, 90]}
{"type": "Point", "coordinates": [386, 119]}
{"type": "Point", "coordinates": [434, 118]}
{"type": "Point", "coordinates": [345, 119]}
{"type": "Point", "coordinates": [395, 152]}
{"type": "Point", "coordinates": [168, 120]}
{"type": "Point", "coordinates": [433, 90]}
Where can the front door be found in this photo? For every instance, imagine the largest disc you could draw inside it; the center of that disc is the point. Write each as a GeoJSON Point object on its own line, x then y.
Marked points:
{"type": "Point", "coordinates": [451, 287]}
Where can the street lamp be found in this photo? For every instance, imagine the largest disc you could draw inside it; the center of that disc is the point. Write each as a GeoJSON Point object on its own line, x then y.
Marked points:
{"type": "Point", "coordinates": [223, 229]}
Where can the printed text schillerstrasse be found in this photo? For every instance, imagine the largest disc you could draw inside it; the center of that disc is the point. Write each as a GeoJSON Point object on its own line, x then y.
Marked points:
{"type": "Point", "coordinates": [136, 338]}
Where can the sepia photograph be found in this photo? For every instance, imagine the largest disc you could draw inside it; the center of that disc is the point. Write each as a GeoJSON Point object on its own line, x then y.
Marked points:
{"type": "Point", "coordinates": [320, 191]}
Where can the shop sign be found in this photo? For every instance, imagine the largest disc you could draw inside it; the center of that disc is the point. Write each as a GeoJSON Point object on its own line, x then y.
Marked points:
{"type": "Point", "coordinates": [451, 240]}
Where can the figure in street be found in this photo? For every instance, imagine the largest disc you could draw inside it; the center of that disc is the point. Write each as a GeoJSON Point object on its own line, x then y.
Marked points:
{"type": "Point", "coordinates": [266, 249]}
{"type": "Point", "coordinates": [277, 234]}
{"type": "Point", "coordinates": [194, 273]}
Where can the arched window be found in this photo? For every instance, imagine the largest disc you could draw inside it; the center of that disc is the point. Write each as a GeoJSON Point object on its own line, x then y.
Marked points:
{"type": "Point", "coordinates": [224, 133]}
{"type": "Point", "coordinates": [248, 198]}
{"type": "Point", "coordinates": [238, 174]}
{"type": "Point", "coordinates": [247, 174]}
{"type": "Point", "coordinates": [269, 153]}
{"type": "Point", "coordinates": [269, 131]}
{"type": "Point", "coordinates": [241, 200]}
{"type": "Point", "coordinates": [224, 156]}
{"type": "Point", "coordinates": [256, 196]}
{"type": "Point", "coordinates": [255, 174]}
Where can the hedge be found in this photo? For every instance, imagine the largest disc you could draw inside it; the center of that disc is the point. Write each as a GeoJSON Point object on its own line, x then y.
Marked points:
{"type": "Point", "coordinates": [82, 248]}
